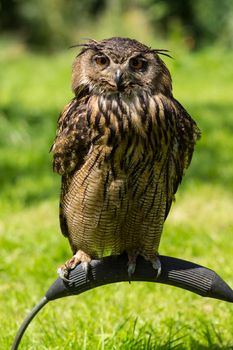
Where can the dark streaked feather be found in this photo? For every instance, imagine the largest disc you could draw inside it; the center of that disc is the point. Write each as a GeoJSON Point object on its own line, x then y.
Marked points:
{"type": "Point", "coordinates": [72, 141]}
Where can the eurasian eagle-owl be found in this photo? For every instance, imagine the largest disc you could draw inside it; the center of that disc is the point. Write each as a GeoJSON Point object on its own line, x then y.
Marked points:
{"type": "Point", "coordinates": [121, 148]}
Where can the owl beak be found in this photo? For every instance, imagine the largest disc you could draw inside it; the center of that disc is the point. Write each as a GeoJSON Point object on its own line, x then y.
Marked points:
{"type": "Point", "coordinates": [118, 78]}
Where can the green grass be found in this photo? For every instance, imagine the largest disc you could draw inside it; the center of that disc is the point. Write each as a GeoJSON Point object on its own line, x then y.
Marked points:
{"type": "Point", "coordinates": [34, 89]}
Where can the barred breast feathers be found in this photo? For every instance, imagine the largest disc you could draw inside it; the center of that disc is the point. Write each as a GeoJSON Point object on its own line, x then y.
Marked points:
{"type": "Point", "coordinates": [111, 119]}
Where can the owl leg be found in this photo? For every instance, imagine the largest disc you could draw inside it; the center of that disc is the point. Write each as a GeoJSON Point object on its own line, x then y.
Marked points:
{"type": "Point", "coordinates": [132, 257]}
{"type": "Point", "coordinates": [152, 257]}
{"type": "Point", "coordinates": [79, 257]}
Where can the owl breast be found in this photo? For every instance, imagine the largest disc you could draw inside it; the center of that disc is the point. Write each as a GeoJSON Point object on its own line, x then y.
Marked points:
{"type": "Point", "coordinates": [117, 199]}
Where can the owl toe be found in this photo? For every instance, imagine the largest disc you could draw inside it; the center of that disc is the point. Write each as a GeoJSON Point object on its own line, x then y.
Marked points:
{"type": "Point", "coordinates": [157, 266]}
{"type": "Point", "coordinates": [79, 257]}
{"type": "Point", "coordinates": [131, 269]}
{"type": "Point", "coordinates": [63, 273]}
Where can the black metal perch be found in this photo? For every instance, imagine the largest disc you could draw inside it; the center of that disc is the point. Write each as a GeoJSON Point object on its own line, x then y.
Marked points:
{"type": "Point", "coordinates": [111, 269]}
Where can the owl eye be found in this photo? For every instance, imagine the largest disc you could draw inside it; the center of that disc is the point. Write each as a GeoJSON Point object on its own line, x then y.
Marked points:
{"type": "Point", "coordinates": [101, 60]}
{"type": "Point", "coordinates": [138, 63]}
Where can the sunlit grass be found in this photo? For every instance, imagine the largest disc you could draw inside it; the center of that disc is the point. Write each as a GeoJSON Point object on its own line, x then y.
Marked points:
{"type": "Point", "coordinates": [34, 88]}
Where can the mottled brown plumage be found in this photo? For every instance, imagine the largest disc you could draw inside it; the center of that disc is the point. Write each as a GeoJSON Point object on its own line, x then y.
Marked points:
{"type": "Point", "coordinates": [122, 146]}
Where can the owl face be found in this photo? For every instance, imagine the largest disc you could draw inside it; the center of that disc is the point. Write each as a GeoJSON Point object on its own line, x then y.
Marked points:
{"type": "Point", "coordinates": [119, 66]}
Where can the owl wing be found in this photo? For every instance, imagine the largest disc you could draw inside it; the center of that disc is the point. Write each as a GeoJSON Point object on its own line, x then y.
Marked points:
{"type": "Point", "coordinates": [183, 141]}
{"type": "Point", "coordinates": [70, 147]}
{"type": "Point", "coordinates": [72, 140]}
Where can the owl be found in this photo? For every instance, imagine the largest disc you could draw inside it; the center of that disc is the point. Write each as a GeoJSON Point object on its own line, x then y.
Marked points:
{"type": "Point", "coordinates": [122, 146]}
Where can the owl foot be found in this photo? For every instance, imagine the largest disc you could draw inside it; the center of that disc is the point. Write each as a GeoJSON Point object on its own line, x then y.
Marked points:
{"type": "Point", "coordinates": [132, 257]}
{"type": "Point", "coordinates": [157, 266]}
{"type": "Point", "coordinates": [155, 261]}
{"type": "Point", "coordinates": [79, 257]}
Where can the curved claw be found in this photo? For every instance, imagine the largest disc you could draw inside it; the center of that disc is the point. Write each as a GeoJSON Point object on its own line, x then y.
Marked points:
{"type": "Point", "coordinates": [78, 257]}
{"type": "Point", "coordinates": [131, 269]}
{"type": "Point", "coordinates": [157, 266]}
{"type": "Point", "coordinates": [63, 274]}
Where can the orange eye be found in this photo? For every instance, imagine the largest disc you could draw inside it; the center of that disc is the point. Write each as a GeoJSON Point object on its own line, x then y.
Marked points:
{"type": "Point", "coordinates": [101, 60]}
{"type": "Point", "coordinates": [137, 63]}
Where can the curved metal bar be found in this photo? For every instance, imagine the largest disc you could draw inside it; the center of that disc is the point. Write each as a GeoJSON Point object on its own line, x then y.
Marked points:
{"type": "Point", "coordinates": [176, 272]}
{"type": "Point", "coordinates": [28, 320]}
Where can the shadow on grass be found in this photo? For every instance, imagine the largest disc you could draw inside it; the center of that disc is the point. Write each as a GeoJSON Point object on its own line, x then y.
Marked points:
{"type": "Point", "coordinates": [26, 173]}
{"type": "Point", "coordinates": [29, 183]}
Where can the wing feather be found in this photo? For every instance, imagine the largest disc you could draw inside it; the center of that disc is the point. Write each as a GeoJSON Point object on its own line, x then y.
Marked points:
{"type": "Point", "coordinates": [70, 147]}
{"type": "Point", "coordinates": [72, 141]}
{"type": "Point", "coordinates": [182, 147]}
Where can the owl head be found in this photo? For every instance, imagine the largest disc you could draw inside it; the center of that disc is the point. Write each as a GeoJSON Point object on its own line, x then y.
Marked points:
{"type": "Point", "coordinates": [120, 66]}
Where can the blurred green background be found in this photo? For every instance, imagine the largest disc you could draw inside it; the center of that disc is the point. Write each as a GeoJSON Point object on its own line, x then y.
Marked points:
{"type": "Point", "coordinates": [45, 24]}
{"type": "Point", "coordinates": [35, 69]}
